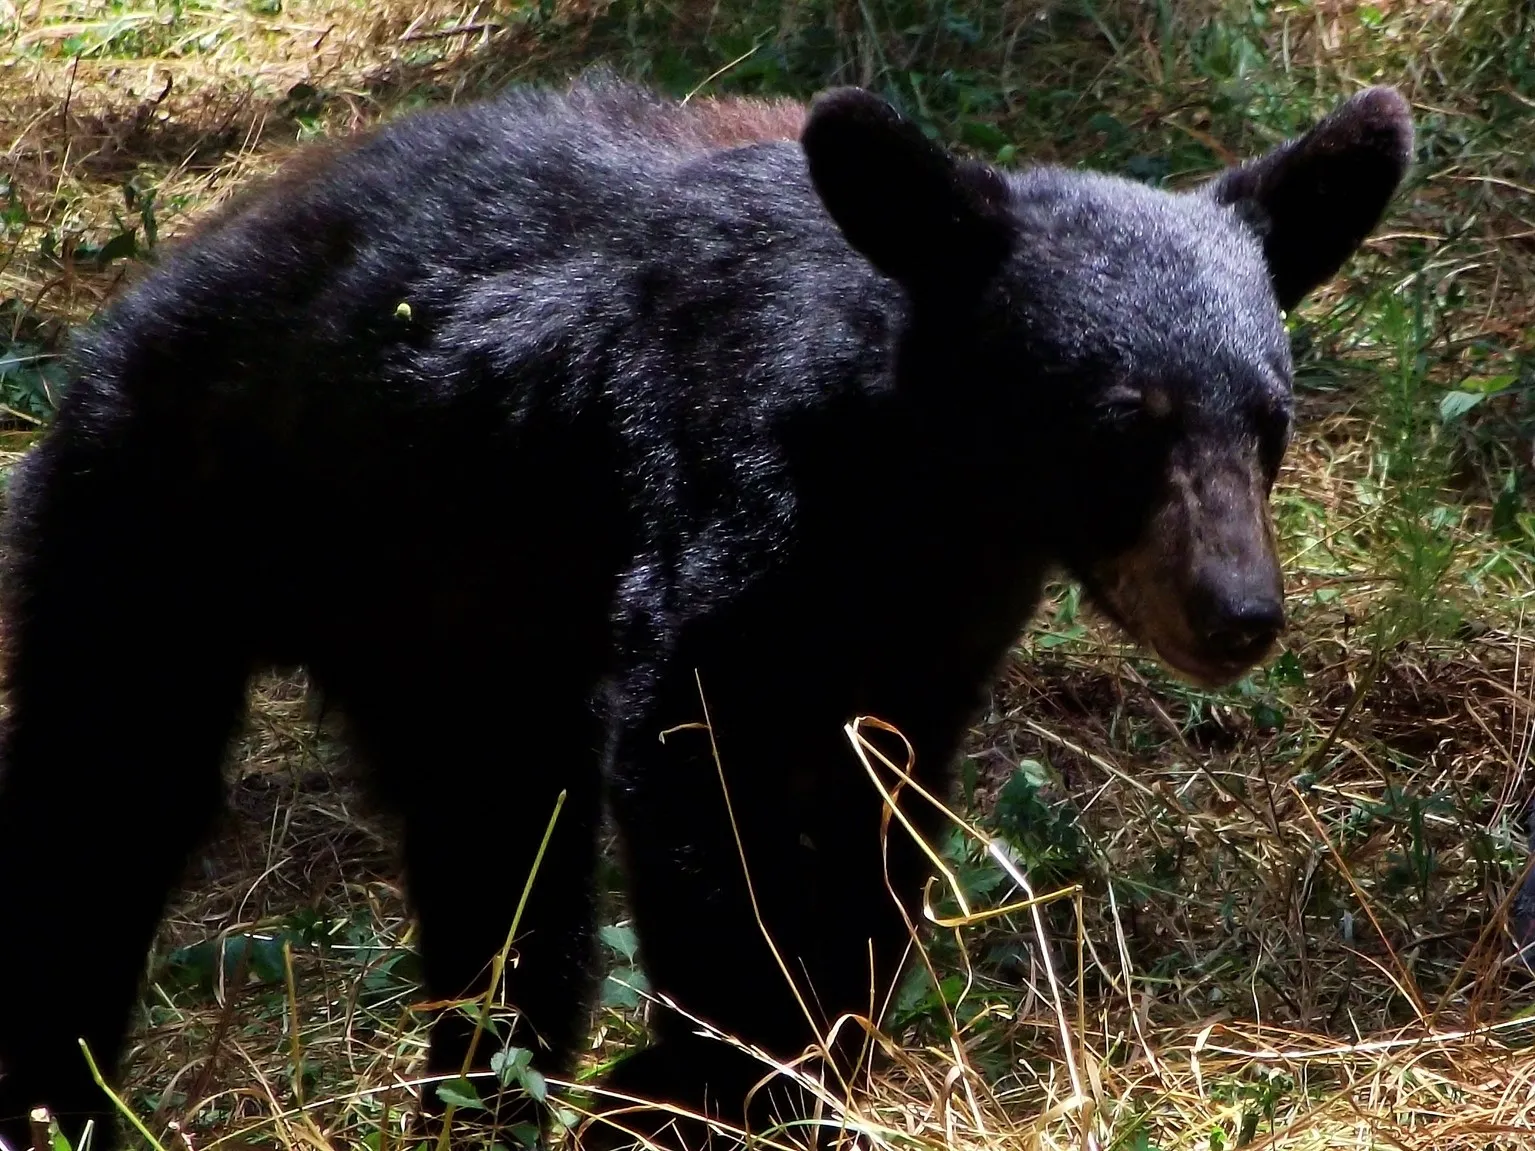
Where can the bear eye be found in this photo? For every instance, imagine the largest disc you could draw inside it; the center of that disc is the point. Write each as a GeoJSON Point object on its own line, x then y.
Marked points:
{"type": "Point", "coordinates": [1122, 403]}
{"type": "Point", "coordinates": [1128, 404]}
{"type": "Point", "coordinates": [1274, 423]}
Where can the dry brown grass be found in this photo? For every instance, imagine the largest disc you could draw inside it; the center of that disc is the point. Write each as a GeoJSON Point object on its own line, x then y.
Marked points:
{"type": "Point", "coordinates": [99, 95]}
{"type": "Point", "coordinates": [1249, 960]}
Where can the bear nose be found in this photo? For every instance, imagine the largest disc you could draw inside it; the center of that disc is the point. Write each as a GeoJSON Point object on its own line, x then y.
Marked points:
{"type": "Point", "coordinates": [1244, 626]}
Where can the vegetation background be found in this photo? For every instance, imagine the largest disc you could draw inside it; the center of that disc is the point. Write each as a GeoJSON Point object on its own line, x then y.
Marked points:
{"type": "Point", "coordinates": [1282, 907]}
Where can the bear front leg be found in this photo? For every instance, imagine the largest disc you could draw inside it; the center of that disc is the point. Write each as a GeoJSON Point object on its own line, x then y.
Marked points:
{"type": "Point", "coordinates": [795, 857]}
{"type": "Point", "coordinates": [476, 754]}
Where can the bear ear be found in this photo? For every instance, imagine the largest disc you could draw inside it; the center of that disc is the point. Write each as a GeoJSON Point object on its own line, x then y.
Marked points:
{"type": "Point", "coordinates": [933, 222]}
{"type": "Point", "coordinates": [1315, 199]}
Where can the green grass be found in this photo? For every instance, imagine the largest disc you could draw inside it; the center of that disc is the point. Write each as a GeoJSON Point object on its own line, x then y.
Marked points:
{"type": "Point", "coordinates": [1291, 891]}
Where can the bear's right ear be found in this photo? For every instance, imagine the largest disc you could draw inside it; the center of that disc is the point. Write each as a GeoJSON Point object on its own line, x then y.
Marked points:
{"type": "Point", "coordinates": [1315, 199]}
{"type": "Point", "coordinates": [933, 222]}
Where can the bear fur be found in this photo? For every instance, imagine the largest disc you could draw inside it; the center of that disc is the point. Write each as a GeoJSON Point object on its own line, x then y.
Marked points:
{"type": "Point", "coordinates": [531, 428]}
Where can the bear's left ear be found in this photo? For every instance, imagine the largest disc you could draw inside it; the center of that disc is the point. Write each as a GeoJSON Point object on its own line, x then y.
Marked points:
{"type": "Point", "coordinates": [1315, 199]}
{"type": "Point", "coordinates": [933, 222]}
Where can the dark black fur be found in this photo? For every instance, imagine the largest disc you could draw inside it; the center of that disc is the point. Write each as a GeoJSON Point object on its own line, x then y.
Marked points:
{"type": "Point", "coordinates": [647, 412]}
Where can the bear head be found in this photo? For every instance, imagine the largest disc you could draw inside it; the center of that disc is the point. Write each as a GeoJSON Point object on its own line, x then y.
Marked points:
{"type": "Point", "coordinates": [1131, 338]}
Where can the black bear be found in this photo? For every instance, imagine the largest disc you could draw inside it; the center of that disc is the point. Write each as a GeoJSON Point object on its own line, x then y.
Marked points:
{"type": "Point", "coordinates": [563, 408]}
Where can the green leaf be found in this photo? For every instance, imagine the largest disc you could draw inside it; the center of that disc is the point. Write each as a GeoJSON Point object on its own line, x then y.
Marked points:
{"type": "Point", "coordinates": [1248, 1128]}
{"type": "Point", "coordinates": [266, 959]}
{"type": "Point", "coordinates": [1049, 639]}
{"type": "Point", "coordinates": [621, 938]}
{"type": "Point", "coordinates": [120, 246]}
{"type": "Point", "coordinates": [624, 987]}
{"type": "Point", "coordinates": [533, 1083]}
{"type": "Point", "coordinates": [1505, 511]}
{"type": "Point", "coordinates": [1489, 385]}
{"type": "Point", "coordinates": [460, 1093]}
{"type": "Point", "coordinates": [1267, 717]}
{"type": "Point", "coordinates": [1456, 404]}
{"type": "Point", "coordinates": [615, 994]}
{"type": "Point", "coordinates": [982, 136]}
{"type": "Point", "coordinates": [514, 1066]}
{"type": "Point", "coordinates": [1287, 670]}
{"type": "Point", "coordinates": [1033, 773]}
{"type": "Point", "coordinates": [510, 1063]}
